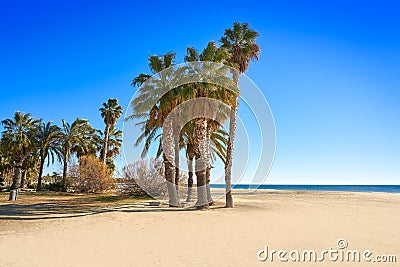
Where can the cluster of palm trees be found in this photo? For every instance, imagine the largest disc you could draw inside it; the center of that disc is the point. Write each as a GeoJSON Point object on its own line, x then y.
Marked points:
{"type": "Point", "coordinates": [27, 143]}
{"type": "Point", "coordinates": [203, 138]}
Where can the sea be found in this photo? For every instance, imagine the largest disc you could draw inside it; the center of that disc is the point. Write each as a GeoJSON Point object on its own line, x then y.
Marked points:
{"type": "Point", "coordinates": [340, 188]}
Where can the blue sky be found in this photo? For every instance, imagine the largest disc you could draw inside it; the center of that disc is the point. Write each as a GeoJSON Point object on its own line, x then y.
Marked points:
{"type": "Point", "coordinates": [329, 70]}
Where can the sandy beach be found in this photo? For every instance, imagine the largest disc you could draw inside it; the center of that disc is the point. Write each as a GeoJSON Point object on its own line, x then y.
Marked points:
{"type": "Point", "coordinates": [138, 235]}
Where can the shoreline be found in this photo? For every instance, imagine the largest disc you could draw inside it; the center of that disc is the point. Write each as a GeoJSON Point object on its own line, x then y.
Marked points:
{"type": "Point", "coordinates": [317, 188]}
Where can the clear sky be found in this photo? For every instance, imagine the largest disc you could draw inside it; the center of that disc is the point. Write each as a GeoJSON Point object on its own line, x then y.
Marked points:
{"type": "Point", "coordinates": [329, 70]}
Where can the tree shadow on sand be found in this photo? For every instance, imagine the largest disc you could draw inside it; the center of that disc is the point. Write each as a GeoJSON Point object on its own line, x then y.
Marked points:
{"type": "Point", "coordinates": [69, 209]}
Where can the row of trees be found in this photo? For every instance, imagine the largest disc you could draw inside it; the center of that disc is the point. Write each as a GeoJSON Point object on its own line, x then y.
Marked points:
{"type": "Point", "coordinates": [27, 144]}
{"type": "Point", "coordinates": [202, 137]}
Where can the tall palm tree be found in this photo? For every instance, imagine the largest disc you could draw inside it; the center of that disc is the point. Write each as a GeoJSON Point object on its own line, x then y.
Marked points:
{"type": "Point", "coordinates": [202, 132]}
{"type": "Point", "coordinates": [110, 112]}
{"type": "Point", "coordinates": [156, 116]}
{"type": "Point", "coordinates": [77, 136]}
{"type": "Point", "coordinates": [241, 42]}
{"type": "Point", "coordinates": [48, 140]}
{"type": "Point", "coordinates": [18, 139]}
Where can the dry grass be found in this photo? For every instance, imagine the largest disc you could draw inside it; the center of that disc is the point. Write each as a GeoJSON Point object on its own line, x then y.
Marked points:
{"type": "Point", "coordinates": [52, 205]}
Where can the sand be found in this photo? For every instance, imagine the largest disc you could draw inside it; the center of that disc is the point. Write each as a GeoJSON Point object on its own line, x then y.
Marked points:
{"type": "Point", "coordinates": [136, 235]}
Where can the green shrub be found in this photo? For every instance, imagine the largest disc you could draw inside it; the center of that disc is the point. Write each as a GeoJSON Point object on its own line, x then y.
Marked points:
{"type": "Point", "coordinates": [32, 186]}
{"type": "Point", "coordinates": [56, 186]}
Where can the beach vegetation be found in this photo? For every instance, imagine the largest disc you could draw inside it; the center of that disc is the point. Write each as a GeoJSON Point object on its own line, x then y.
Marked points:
{"type": "Point", "coordinates": [237, 49]}
{"type": "Point", "coordinates": [87, 154]}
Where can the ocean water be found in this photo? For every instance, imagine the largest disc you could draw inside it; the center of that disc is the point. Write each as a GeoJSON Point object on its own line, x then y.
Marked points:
{"type": "Point", "coordinates": [346, 188]}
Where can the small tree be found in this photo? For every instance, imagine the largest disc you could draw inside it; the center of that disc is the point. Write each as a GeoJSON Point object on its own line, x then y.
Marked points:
{"type": "Point", "coordinates": [92, 176]}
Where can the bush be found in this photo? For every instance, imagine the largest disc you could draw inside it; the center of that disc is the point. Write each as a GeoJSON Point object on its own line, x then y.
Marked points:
{"type": "Point", "coordinates": [91, 176]}
{"type": "Point", "coordinates": [56, 186]}
{"type": "Point", "coordinates": [33, 186]}
{"type": "Point", "coordinates": [144, 178]}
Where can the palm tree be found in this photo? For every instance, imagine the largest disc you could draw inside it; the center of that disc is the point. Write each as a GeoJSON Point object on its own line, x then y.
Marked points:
{"type": "Point", "coordinates": [18, 139]}
{"type": "Point", "coordinates": [202, 132]}
{"type": "Point", "coordinates": [156, 116]}
{"type": "Point", "coordinates": [110, 112]}
{"type": "Point", "coordinates": [48, 139]}
{"type": "Point", "coordinates": [113, 145]}
{"type": "Point", "coordinates": [78, 136]}
{"type": "Point", "coordinates": [241, 42]}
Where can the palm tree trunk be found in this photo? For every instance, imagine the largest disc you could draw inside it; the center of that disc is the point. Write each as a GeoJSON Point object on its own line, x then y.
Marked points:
{"type": "Point", "coordinates": [208, 156]}
{"type": "Point", "coordinates": [208, 178]}
{"type": "Point", "coordinates": [105, 146]}
{"type": "Point", "coordinates": [176, 154]}
{"type": "Point", "coordinates": [168, 151]}
{"type": "Point", "coordinates": [64, 177]}
{"type": "Point", "coordinates": [190, 157]}
{"type": "Point", "coordinates": [229, 150]}
{"type": "Point", "coordinates": [17, 174]}
{"type": "Point", "coordinates": [39, 184]}
{"type": "Point", "coordinates": [24, 172]}
{"type": "Point", "coordinates": [229, 157]}
{"type": "Point", "coordinates": [201, 162]}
